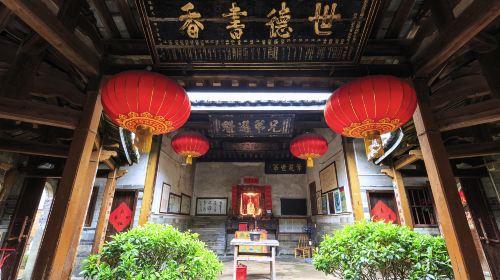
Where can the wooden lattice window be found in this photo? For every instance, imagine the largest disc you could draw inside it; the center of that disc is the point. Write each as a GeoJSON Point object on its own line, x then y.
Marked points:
{"type": "Point", "coordinates": [422, 207]}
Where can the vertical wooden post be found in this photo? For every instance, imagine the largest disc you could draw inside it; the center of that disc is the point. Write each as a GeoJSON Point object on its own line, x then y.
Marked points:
{"type": "Point", "coordinates": [401, 199]}
{"type": "Point", "coordinates": [102, 222]}
{"type": "Point", "coordinates": [455, 228]}
{"type": "Point", "coordinates": [149, 183]}
{"type": "Point", "coordinates": [352, 176]}
{"type": "Point", "coordinates": [59, 245]}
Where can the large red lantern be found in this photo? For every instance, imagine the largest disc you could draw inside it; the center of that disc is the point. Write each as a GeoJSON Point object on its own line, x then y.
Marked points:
{"type": "Point", "coordinates": [370, 106]}
{"type": "Point", "coordinates": [190, 145]}
{"type": "Point", "coordinates": [145, 103]}
{"type": "Point", "coordinates": [308, 147]}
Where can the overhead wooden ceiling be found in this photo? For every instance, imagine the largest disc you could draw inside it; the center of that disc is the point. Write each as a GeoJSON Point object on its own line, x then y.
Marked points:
{"type": "Point", "coordinates": [54, 51]}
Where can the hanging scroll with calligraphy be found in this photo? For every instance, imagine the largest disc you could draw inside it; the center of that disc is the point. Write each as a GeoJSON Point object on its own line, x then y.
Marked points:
{"type": "Point", "coordinates": [256, 34]}
{"type": "Point", "coordinates": [257, 125]}
{"type": "Point", "coordinates": [286, 167]}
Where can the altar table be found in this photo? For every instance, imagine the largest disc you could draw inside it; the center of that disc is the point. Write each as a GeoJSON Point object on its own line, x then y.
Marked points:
{"type": "Point", "coordinates": [252, 257]}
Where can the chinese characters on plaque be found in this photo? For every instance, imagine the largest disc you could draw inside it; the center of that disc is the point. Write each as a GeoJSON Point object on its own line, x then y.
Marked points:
{"type": "Point", "coordinates": [211, 206]}
{"type": "Point", "coordinates": [271, 31]}
{"type": "Point", "coordinates": [285, 167]}
{"type": "Point", "coordinates": [256, 125]}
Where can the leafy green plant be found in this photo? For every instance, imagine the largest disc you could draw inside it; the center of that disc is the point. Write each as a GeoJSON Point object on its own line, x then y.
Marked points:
{"type": "Point", "coordinates": [153, 252]}
{"type": "Point", "coordinates": [378, 250]}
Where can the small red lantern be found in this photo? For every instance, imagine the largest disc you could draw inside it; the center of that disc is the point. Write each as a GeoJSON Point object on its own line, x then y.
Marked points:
{"type": "Point", "coordinates": [145, 103]}
{"type": "Point", "coordinates": [370, 106]}
{"type": "Point", "coordinates": [190, 145]}
{"type": "Point", "coordinates": [308, 146]}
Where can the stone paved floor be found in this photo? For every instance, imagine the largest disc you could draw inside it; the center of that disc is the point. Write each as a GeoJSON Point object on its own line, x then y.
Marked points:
{"type": "Point", "coordinates": [285, 270]}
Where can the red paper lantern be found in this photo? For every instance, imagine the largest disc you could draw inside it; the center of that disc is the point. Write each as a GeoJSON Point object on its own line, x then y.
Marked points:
{"type": "Point", "coordinates": [370, 106]}
{"type": "Point", "coordinates": [190, 145]}
{"type": "Point", "coordinates": [308, 146]}
{"type": "Point", "coordinates": [145, 103]}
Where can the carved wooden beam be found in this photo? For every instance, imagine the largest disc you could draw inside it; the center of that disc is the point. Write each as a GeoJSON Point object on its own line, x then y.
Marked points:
{"type": "Point", "coordinates": [455, 35]}
{"type": "Point", "coordinates": [470, 115]}
{"type": "Point", "coordinates": [40, 19]}
{"type": "Point", "coordinates": [33, 148]}
{"type": "Point", "coordinates": [39, 113]}
{"type": "Point", "coordinates": [412, 156]}
{"type": "Point", "coordinates": [473, 150]}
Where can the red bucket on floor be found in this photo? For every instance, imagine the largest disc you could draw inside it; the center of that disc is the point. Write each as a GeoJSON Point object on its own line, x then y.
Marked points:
{"type": "Point", "coordinates": [241, 272]}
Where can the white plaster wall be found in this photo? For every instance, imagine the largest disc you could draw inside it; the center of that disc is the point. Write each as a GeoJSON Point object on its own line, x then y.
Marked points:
{"type": "Point", "coordinates": [335, 154]}
{"type": "Point", "coordinates": [173, 171]}
{"type": "Point", "coordinates": [215, 179]}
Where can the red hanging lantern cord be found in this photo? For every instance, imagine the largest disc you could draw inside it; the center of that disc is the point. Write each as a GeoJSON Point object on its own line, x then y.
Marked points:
{"type": "Point", "coordinates": [145, 103]}
{"type": "Point", "coordinates": [308, 147]}
{"type": "Point", "coordinates": [189, 145]}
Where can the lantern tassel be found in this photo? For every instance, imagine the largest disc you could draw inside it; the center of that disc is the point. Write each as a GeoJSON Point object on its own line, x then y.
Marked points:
{"type": "Point", "coordinates": [310, 162]}
{"type": "Point", "coordinates": [374, 147]}
{"type": "Point", "coordinates": [189, 160]}
{"type": "Point", "coordinates": [143, 138]}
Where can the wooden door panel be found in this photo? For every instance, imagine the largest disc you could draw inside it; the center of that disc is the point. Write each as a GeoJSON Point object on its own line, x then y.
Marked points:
{"type": "Point", "coordinates": [21, 223]}
{"type": "Point", "coordinates": [383, 206]}
{"type": "Point", "coordinates": [484, 222]}
{"type": "Point", "coordinates": [122, 212]}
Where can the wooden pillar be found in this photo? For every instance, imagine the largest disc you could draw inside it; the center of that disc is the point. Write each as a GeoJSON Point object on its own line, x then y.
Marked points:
{"type": "Point", "coordinates": [59, 245]}
{"type": "Point", "coordinates": [149, 183]}
{"type": "Point", "coordinates": [401, 199]}
{"type": "Point", "coordinates": [102, 222]}
{"type": "Point", "coordinates": [451, 215]}
{"type": "Point", "coordinates": [352, 176]}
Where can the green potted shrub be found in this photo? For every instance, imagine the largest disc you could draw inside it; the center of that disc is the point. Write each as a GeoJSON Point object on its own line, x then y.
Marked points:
{"type": "Point", "coordinates": [153, 252]}
{"type": "Point", "coordinates": [378, 250]}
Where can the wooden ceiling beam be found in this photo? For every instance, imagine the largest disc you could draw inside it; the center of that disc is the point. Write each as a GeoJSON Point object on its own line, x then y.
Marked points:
{"type": "Point", "coordinates": [39, 113]}
{"type": "Point", "coordinates": [107, 19]}
{"type": "Point", "coordinates": [462, 87]}
{"type": "Point", "coordinates": [129, 19]}
{"type": "Point", "coordinates": [36, 15]}
{"type": "Point", "coordinates": [473, 150]}
{"type": "Point", "coordinates": [412, 156]}
{"type": "Point", "coordinates": [455, 35]}
{"type": "Point", "coordinates": [399, 18]}
{"type": "Point", "coordinates": [25, 147]}
{"type": "Point", "coordinates": [5, 16]}
{"type": "Point", "coordinates": [470, 115]}
{"type": "Point", "coordinates": [46, 86]}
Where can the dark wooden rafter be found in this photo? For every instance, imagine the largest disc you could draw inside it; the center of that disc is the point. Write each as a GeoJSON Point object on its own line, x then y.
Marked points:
{"type": "Point", "coordinates": [490, 66]}
{"type": "Point", "coordinates": [20, 76]}
{"type": "Point", "coordinates": [399, 19]}
{"type": "Point", "coordinates": [129, 19]}
{"type": "Point", "coordinates": [473, 150]}
{"type": "Point", "coordinates": [33, 148]}
{"type": "Point", "coordinates": [107, 19]}
{"type": "Point", "coordinates": [470, 115]}
{"type": "Point", "coordinates": [48, 26]}
{"type": "Point", "coordinates": [455, 35]}
{"type": "Point", "coordinates": [5, 16]}
{"type": "Point", "coordinates": [39, 113]}
{"type": "Point", "coordinates": [46, 86]}
{"type": "Point", "coordinates": [461, 88]}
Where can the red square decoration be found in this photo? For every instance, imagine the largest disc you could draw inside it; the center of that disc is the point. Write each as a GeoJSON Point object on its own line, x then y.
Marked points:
{"type": "Point", "coordinates": [121, 217]}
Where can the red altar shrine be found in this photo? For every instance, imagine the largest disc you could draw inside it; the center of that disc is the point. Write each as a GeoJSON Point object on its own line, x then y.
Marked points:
{"type": "Point", "coordinates": [251, 200]}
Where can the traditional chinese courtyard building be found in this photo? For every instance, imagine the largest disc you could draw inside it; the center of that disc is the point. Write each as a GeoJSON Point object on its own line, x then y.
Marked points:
{"type": "Point", "coordinates": [257, 75]}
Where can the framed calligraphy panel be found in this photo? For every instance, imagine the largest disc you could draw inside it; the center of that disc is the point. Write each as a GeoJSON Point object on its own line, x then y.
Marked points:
{"type": "Point", "coordinates": [174, 204]}
{"type": "Point", "coordinates": [185, 204]}
{"type": "Point", "coordinates": [251, 125]}
{"type": "Point", "coordinates": [211, 206]}
{"type": "Point", "coordinates": [165, 191]}
{"type": "Point", "coordinates": [328, 178]}
{"type": "Point", "coordinates": [258, 34]}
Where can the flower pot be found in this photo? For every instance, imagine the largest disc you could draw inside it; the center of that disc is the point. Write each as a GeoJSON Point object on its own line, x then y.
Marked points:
{"type": "Point", "coordinates": [254, 236]}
